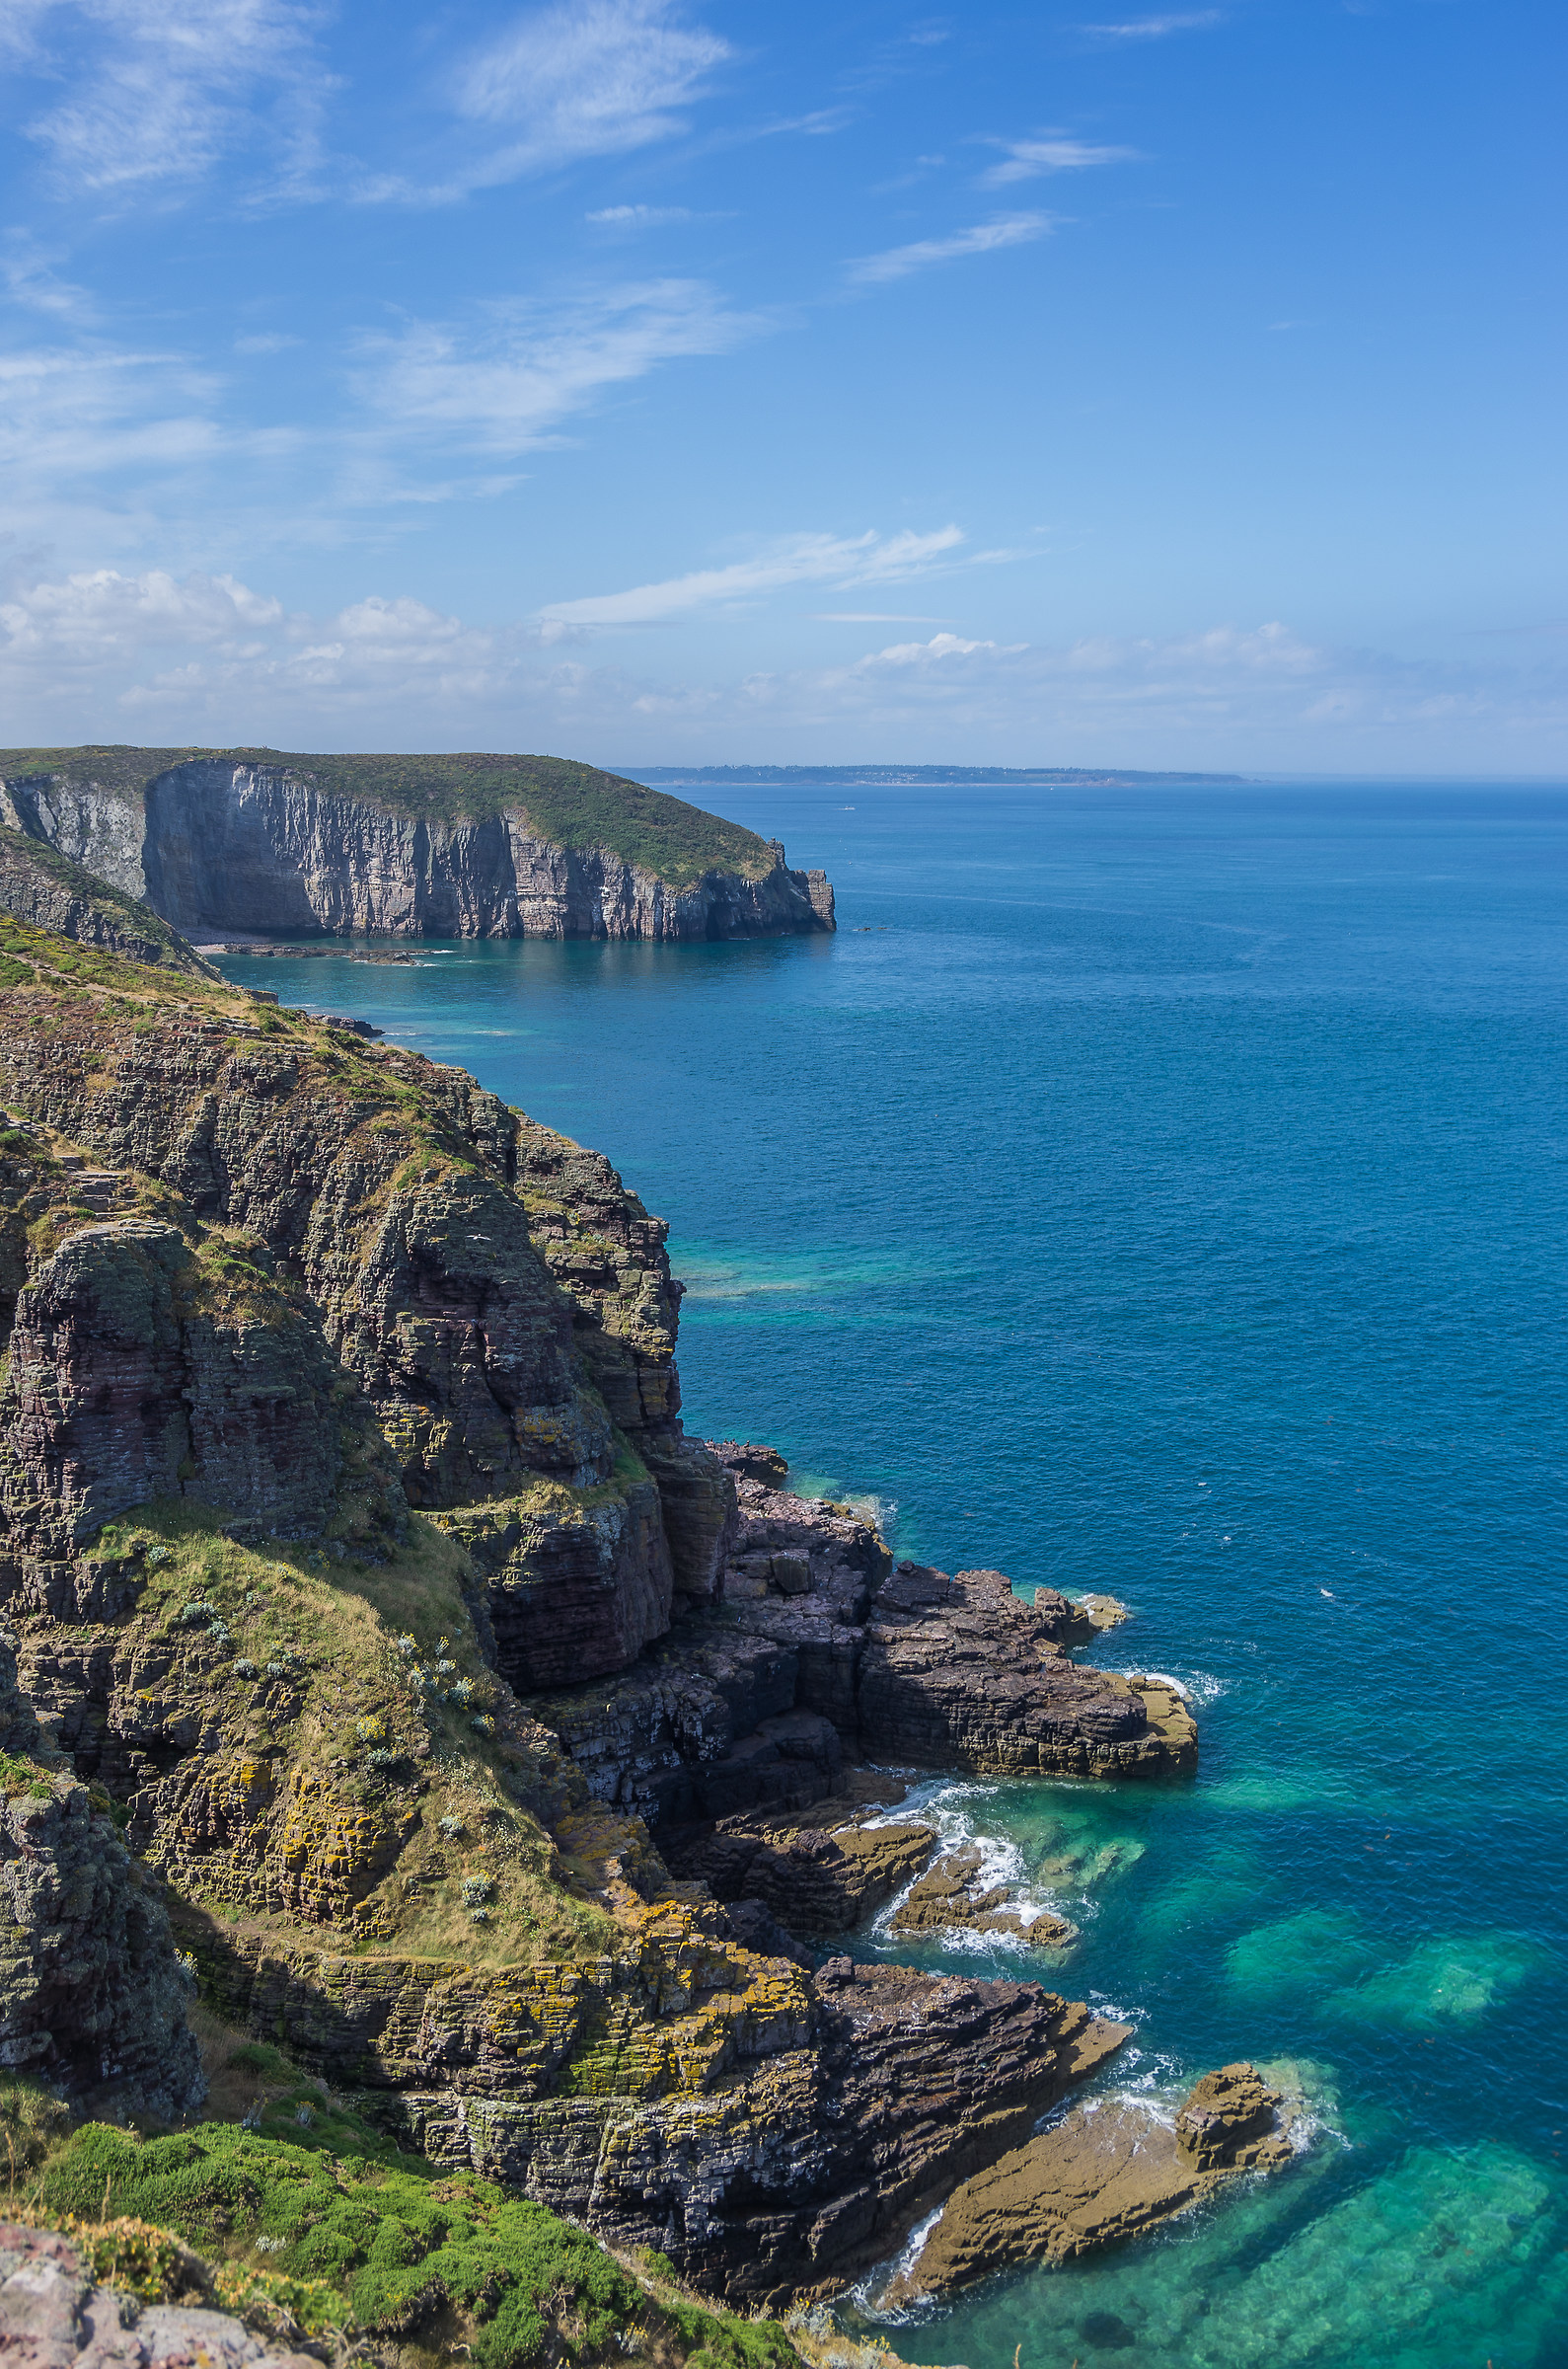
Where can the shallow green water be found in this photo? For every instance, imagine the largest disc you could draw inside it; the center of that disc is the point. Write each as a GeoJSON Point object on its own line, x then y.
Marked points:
{"type": "Point", "coordinates": [1164, 1192]}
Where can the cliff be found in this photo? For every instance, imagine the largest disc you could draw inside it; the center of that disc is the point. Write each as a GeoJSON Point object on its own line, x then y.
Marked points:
{"type": "Point", "coordinates": [340, 1406]}
{"type": "Point", "coordinates": [463, 847]}
{"type": "Point", "coordinates": [41, 887]}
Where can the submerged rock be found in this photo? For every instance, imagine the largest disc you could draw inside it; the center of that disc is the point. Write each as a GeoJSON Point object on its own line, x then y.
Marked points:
{"type": "Point", "coordinates": [949, 1897]}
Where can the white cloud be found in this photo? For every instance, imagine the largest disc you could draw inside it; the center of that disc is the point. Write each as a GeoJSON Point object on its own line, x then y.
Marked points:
{"type": "Point", "coordinates": [1025, 160]}
{"type": "Point", "coordinates": [505, 383]}
{"type": "Point", "coordinates": [867, 558]}
{"type": "Point", "coordinates": [104, 656]}
{"type": "Point", "coordinates": [940, 646]}
{"type": "Point", "coordinates": [209, 650]}
{"type": "Point", "coordinates": [1158, 29]}
{"type": "Point", "coordinates": [589, 78]}
{"type": "Point", "coordinates": [984, 238]}
{"type": "Point", "coordinates": [644, 217]}
{"type": "Point", "coordinates": [160, 89]}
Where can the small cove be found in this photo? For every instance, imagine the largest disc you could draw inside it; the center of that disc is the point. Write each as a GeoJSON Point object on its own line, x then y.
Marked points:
{"type": "Point", "coordinates": [1161, 1193]}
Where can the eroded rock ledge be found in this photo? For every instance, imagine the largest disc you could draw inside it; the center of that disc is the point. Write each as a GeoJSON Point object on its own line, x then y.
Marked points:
{"type": "Point", "coordinates": [816, 1649]}
{"type": "Point", "coordinates": [1101, 2173]}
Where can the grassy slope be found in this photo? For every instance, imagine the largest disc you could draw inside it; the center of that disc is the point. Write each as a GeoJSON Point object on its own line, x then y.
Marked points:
{"type": "Point", "coordinates": [306, 2215]}
{"type": "Point", "coordinates": [566, 803]}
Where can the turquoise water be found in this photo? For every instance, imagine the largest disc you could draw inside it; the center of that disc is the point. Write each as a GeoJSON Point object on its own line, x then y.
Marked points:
{"type": "Point", "coordinates": [1164, 1192]}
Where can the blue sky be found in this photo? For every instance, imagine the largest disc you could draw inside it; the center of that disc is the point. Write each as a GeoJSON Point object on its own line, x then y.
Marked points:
{"type": "Point", "coordinates": [668, 383]}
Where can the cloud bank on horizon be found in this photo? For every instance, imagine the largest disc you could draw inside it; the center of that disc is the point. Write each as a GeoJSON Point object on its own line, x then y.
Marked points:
{"type": "Point", "coordinates": [588, 377]}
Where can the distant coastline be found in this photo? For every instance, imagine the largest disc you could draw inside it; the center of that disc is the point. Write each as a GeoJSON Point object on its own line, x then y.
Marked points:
{"type": "Point", "coordinates": [936, 775]}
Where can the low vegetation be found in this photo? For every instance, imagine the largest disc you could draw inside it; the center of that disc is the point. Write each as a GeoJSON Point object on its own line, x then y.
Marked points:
{"type": "Point", "coordinates": [303, 2219]}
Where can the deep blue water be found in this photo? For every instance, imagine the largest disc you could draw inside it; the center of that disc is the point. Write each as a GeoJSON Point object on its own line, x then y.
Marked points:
{"type": "Point", "coordinates": [1163, 1191]}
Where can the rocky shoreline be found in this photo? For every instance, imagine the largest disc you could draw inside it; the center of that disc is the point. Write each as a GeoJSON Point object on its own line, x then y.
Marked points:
{"type": "Point", "coordinates": [465, 1720]}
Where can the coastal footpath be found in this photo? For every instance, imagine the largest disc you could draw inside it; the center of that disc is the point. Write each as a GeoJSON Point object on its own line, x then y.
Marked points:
{"type": "Point", "coordinates": [222, 840]}
{"type": "Point", "coordinates": [397, 1681]}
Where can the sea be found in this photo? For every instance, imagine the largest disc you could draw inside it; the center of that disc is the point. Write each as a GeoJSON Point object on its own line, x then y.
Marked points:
{"type": "Point", "coordinates": [1160, 1190]}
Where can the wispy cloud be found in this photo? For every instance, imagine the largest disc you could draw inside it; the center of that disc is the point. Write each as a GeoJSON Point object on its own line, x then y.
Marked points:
{"type": "Point", "coordinates": [1157, 29]}
{"type": "Point", "coordinates": [867, 558]}
{"type": "Point", "coordinates": [1025, 160]}
{"type": "Point", "coordinates": [587, 78]}
{"type": "Point", "coordinates": [643, 217]}
{"type": "Point", "coordinates": [78, 418]}
{"type": "Point", "coordinates": [982, 238]}
{"type": "Point", "coordinates": [169, 86]}
{"type": "Point", "coordinates": [505, 381]}
{"type": "Point", "coordinates": [29, 278]}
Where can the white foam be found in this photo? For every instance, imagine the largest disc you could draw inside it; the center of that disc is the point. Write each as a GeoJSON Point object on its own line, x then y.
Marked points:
{"type": "Point", "coordinates": [954, 1809]}
{"type": "Point", "coordinates": [876, 2282]}
{"type": "Point", "coordinates": [1193, 1685]}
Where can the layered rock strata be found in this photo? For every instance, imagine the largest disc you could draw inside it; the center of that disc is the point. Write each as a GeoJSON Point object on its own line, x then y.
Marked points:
{"type": "Point", "coordinates": [767, 2128]}
{"type": "Point", "coordinates": [215, 845]}
{"type": "Point", "coordinates": [815, 1878]}
{"type": "Point", "coordinates": [1102, 2174]}
{"type": "Point", "coordinates": [815, 1648]}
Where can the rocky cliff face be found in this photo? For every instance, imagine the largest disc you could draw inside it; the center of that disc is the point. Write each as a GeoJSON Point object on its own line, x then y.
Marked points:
{"type": "Point", "coordinates": [41, 887]}
{"type": "Point", "coordinates": [218, 846]}
{"type": "Point", "coordinates": [92, 1992]}
{"type": "Point", "coordinates": [341, 1404]}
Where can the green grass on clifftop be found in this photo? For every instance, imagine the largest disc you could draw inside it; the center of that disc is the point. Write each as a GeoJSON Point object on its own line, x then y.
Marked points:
{"type": "Point", "coordinates": [566, 803]}
{"type": "Point", "coordinates": [452, 2262]}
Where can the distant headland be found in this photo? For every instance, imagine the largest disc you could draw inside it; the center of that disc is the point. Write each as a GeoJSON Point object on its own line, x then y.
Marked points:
{"type": "Point", "coordinates": [474, 845]}
{"type": "Point", "coordinates": [935, 777]}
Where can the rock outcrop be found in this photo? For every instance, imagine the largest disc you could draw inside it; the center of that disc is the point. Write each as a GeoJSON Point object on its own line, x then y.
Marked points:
{"type": "Point", "coordinates": [1101, 2173]}
{"type": "Point", "coordinates": [815, 1878]}
{"type": "Point", "coordinates": [41, 887]}
{"type": "Point", "coordinates": [816, 1648]}
{"type": "Point", "coordinates": [93, 1994]}
{"type": "Point", "coordinates": [55, 2315]}
{"type": "Point", "coordinates": [767, 2129]}
{"type": "Point", "coordinates": [138, 1370]}
{"type": "Point", "coordinates": [216, 842]}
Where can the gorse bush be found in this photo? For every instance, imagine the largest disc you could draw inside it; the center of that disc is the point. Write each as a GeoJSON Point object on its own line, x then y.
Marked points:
{"type": "Point", "coordinates": [396, 2242]}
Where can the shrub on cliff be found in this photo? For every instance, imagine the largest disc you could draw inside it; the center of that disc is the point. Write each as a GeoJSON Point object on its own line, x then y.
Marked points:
{"type": "Point", "coordinates": [401, 2246]}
